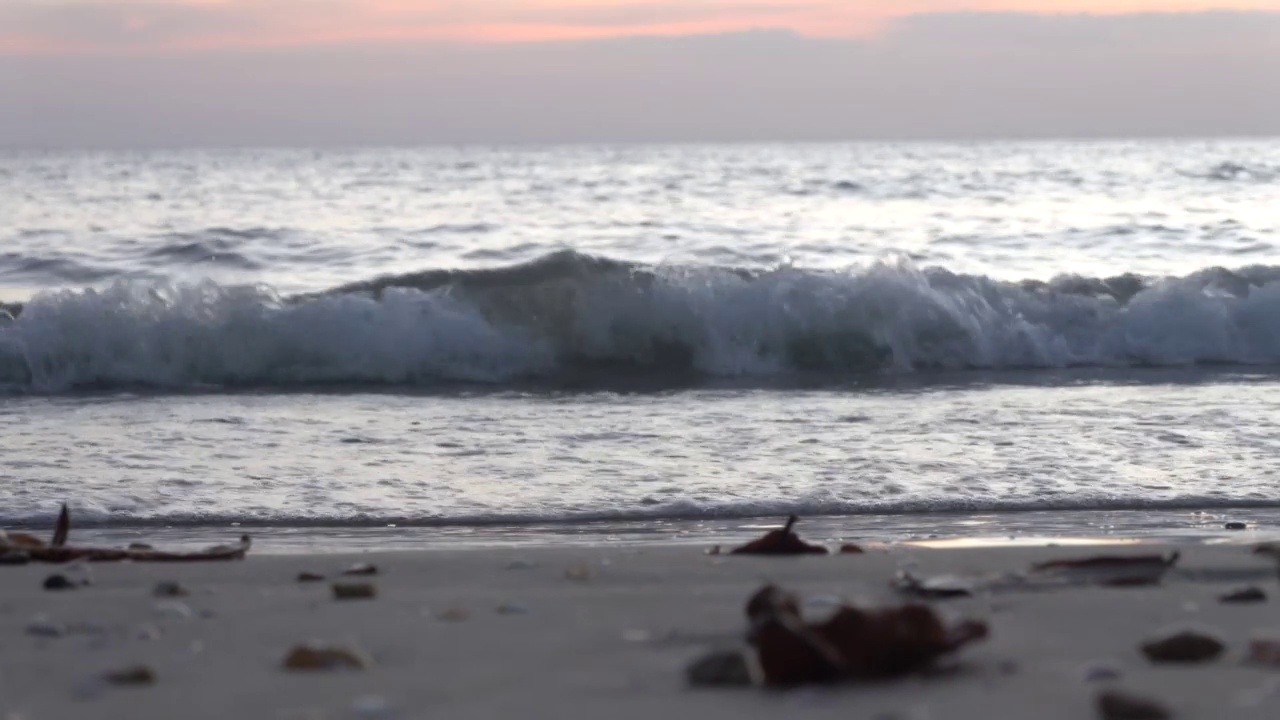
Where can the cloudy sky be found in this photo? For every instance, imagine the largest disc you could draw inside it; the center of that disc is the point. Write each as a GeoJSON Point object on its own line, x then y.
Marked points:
{"type": "Point", "coordinates": [102, 73]}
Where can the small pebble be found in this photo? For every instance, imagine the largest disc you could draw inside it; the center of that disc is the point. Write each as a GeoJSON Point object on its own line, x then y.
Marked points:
{"type": "Point", "coordinates": [315, 656]}
{"type": "Point", "coordinates": [1236, 526]}
{"type": "Point", "coordinates": [1117, 705]}
{"type": "Point", "coordinates": [1187, 646]}
{"type": "Point", "coordinates": [58, 582]}
{"type": "Point", "coordinates": [1101, 673]}
{"type": "Point", "coordinates": [354, 591]}
{"type": "Point", "coordinates": [131, 676]}
{"type": "Point", "coordinates": [169, 589]}
{"type": "Point", "coordinates": [511, 608]}
{"type": "Point", "coordinates": [361, 569]}
{"type": "Point", "coordinates": [307, 577]}
{"type": "Point", "coordinates": [174, 610]}
{"type": "Point", "coordinates": [1244, 595]}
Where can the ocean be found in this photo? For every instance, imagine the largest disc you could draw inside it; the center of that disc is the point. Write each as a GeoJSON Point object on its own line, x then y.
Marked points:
{"type": "Point", "coordinates": [530, 344]}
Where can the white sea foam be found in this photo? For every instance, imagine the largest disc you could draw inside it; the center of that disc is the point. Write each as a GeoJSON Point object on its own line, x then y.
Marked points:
{"type": "Point", "coordinates": [569, 314]}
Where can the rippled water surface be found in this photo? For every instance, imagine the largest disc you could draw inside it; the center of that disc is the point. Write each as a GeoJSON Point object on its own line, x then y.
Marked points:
{"type": "Point", "coordinates": [464, 336]}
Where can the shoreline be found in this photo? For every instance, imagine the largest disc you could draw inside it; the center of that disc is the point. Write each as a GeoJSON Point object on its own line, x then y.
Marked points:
{"type": "Point", "coordinates": [586, 632]}
{"type": "Point", "coordinates": [959, 529]}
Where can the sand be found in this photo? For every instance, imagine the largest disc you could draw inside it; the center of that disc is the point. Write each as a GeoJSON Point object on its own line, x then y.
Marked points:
{"type": "Point", "coordinates": [612, 645]}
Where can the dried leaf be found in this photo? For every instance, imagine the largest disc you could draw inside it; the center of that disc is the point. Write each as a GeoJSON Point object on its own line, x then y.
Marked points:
{"type": "Point", "coordinates": [853, 644]}
{"type": "Point", "coordinates": [780, 542]}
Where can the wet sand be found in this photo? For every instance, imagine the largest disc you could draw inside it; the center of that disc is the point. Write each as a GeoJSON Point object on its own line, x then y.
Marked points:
{"type": "Point", "coordinates": [604, 632]}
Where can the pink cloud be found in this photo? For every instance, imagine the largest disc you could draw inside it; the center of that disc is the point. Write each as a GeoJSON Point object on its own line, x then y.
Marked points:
{"type": "Point", "coordinates": [131, 26]}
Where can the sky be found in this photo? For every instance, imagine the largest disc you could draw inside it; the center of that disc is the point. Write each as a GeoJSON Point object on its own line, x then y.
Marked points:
{"type": "Point", "coordinates": [143, 73]}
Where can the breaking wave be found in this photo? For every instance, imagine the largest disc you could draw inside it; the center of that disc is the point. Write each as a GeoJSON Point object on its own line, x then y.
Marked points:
{"type": "Point", "coordinates": [569, 315]}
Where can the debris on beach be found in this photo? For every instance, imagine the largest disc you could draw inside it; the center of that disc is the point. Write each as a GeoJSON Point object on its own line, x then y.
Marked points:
{"type": "Point", "coordinates": [933, 588]}
{"type": "Point", "coordinates": [852, 644]}
{"type": "Point", "coordinates": [131, 676]}
{"type": "Point", "coordinates": [1120, 705]}
{"type": "Point", "coordinates": [783, 541]}
{"type": "Point", "coordinates": [1235, 525]}
{"type": "Point", "coordinates": [170, 589]}
{"type": "Point", "coordinates": [361, 569]}
{"type": "Point", "coordinates": [579, 573]}
{"type": "Point", "coordinates": [20, 545]}
{"type": "Point", "coordinates": [1113, 570]}
{"type": "Point", "coordinates": [354, 591]}
{"type": "Point", "coordinates": [1244, 595]}
{"type": "Point", "coordinates": [851, 549]}
{"type": "Point", "coordinates": [59, 582]}
{"type": "Point", "coordinates": [307, 577]}
{"type": "Point", "coordinates": [1186, 646]}
{"type": "Point", "coordinates": [310, 657]}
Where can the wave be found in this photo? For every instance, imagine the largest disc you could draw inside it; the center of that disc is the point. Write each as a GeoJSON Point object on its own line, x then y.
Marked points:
{"type": "Point", "coordinates": [569, 315]}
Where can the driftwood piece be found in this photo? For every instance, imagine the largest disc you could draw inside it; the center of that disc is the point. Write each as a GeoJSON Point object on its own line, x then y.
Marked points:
{"type": "Point", "coordinates": [1113, 570]}
{"type": "Point", "coordinates": [58, 551]}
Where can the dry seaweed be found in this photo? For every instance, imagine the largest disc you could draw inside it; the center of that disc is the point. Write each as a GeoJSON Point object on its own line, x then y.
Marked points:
{"type": "Point", "coordinates": [782, 541]}
{"type": "Point", "coordinates": [853, 644]}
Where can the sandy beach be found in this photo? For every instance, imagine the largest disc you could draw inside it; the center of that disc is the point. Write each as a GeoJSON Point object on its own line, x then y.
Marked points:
{"type": "Point", "coordinates": [607, 632]}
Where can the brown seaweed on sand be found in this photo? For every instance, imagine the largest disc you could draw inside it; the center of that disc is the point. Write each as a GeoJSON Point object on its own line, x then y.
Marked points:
{"type": "Point", "coordinates": [853, 644]}
{"type": "Point", "coordinates": [782, 541]}
{"type": "Point", "coordinates": [58, 551]}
